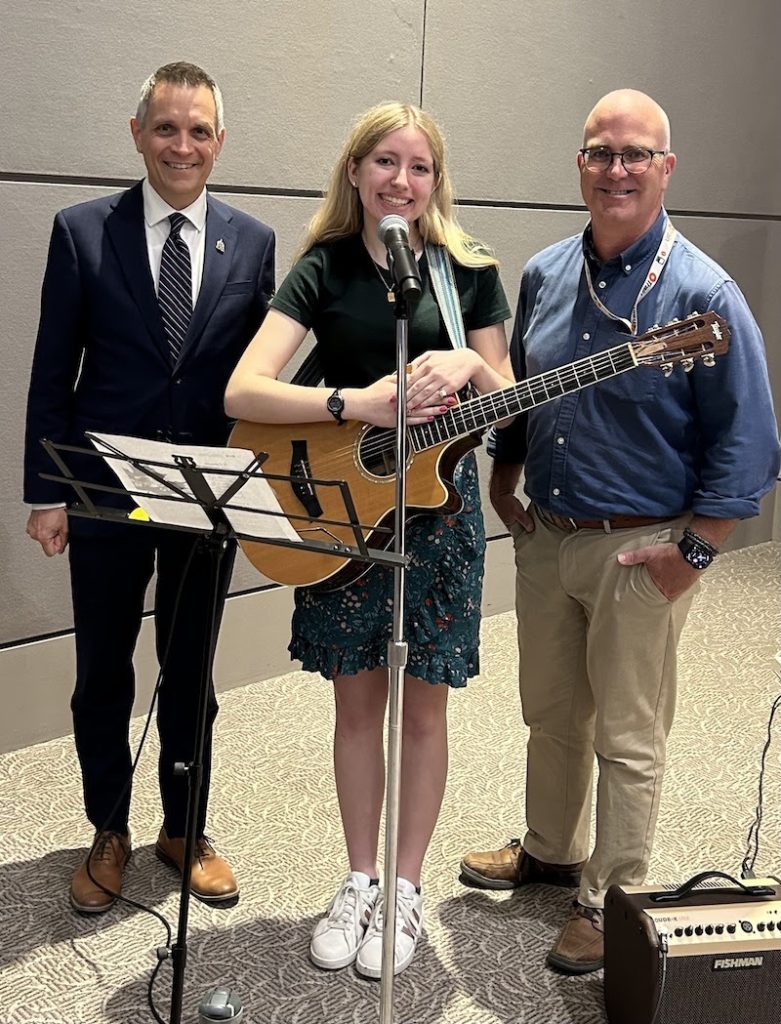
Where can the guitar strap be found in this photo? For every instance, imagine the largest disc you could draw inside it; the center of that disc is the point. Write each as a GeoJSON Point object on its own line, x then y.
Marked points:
{"type": "Point", "coordinates": [442, 281]}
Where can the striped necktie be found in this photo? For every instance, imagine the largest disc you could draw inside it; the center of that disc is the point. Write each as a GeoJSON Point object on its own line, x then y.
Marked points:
{"type": "Point", "coordinates": [175, 288]}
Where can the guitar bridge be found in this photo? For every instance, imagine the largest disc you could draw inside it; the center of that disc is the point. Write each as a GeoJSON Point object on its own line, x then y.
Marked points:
{"type": "Point", "coordinates": [301, 472]}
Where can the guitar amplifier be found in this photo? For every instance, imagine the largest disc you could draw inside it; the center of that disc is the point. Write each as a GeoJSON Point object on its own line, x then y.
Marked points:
{"type": "Point", "coordinates": [708, 955]}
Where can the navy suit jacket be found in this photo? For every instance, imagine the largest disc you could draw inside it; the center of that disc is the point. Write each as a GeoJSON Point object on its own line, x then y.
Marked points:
{"type": "Point", "coordinates": [102, 360]}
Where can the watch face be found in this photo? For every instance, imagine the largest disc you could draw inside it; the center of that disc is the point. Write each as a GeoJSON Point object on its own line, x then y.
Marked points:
{"type": "Point", "coordinates": [335, 405]}
{"type": "Point", "coordinates": [697, 557]}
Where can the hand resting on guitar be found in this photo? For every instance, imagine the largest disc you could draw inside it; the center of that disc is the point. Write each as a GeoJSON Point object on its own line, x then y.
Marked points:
{"type": "Point", "coordinates": [254, 392]}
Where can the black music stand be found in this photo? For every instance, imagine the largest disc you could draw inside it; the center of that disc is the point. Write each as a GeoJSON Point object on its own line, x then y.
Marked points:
{"type": "Point", "coordinates": [179, 479]}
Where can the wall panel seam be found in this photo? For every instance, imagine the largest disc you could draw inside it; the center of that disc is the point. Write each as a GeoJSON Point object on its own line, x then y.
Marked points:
{"type": "Point", "coordinates": [261, 192]}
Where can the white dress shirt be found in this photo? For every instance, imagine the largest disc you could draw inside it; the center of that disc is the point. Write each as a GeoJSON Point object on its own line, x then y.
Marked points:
{"type": "Point", "coordinates": [157, 228]}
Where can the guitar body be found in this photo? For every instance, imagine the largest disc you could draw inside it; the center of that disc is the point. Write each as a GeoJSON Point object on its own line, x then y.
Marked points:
{"type": "Point", "coordinates": [361, 456]}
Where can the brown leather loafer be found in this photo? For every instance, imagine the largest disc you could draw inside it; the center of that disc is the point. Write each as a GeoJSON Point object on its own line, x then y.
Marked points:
{"type": "Point", "coordinates": [107, 859]}
{"type": "Point", "coordinates": [513, 866]}
{"type": "Point", "coordinates": [580, 947]}
{"type": "Point", "coordinates": [212, 880]}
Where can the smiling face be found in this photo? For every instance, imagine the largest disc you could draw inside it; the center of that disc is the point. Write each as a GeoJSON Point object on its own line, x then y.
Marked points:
{"type": "Point", "coordinates": [178, 141]}
{"type": "Point", "coordinates": [397, 176]}
{"type": "Point", "coordinates": [623, 206]}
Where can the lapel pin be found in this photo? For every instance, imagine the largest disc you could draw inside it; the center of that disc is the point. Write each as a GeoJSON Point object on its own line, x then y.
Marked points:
{"type": "Point", "coordinates": [220, 245]}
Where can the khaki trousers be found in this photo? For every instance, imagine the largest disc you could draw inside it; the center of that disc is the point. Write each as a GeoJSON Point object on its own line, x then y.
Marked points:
{"type": "Point", "coordinates": [597, 644]}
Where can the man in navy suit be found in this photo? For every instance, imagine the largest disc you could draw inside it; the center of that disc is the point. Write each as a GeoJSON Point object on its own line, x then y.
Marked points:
{"type": "Point", "coordinates": [107, 358]}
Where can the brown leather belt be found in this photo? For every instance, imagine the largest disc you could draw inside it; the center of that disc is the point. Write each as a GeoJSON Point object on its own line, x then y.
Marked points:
{"type": "Point", "coordinates": [608, 525]}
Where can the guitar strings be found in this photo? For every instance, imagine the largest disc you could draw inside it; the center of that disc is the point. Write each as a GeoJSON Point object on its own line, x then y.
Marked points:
{"type": "Point", "coordinates": [383, 440]}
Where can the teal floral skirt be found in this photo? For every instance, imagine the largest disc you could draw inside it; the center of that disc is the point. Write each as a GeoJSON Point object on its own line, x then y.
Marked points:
{"type": "Point", "coordinates": [343, 632]}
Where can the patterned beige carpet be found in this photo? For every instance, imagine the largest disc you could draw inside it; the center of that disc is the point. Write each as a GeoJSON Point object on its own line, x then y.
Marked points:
{"type": "Point", "coordinates": [274, 812]}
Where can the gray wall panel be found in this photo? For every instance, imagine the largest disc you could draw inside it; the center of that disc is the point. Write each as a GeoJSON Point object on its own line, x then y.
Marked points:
{"type": "Point", "coordinates": [293, 74]}
{"type": "Point", "coordinates": [513, 85]}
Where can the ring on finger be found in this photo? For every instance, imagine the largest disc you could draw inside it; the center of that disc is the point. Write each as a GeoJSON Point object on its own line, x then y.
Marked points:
{"type": "Point", "coordinates": [442, 393]}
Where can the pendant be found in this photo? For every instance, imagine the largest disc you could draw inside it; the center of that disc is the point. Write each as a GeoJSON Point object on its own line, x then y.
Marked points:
{"type": "Point", "coordinates": [391, 296]}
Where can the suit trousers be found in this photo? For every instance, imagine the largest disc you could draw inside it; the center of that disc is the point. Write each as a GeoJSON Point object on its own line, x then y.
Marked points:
{"type": "Point", "coordinates": [597, 643]}
{"type": "Point", "coordinates": [109, 578]}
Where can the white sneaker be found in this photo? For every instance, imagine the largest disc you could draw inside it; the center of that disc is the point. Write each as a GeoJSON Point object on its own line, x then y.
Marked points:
{"type": "Point", "coordinates": [409, 926]}
{"type": "Point", "coordinates": [337, 936]}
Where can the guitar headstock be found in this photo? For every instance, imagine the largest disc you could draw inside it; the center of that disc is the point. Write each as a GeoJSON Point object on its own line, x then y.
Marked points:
{"type": "Point", "coordinates": [701, 336]}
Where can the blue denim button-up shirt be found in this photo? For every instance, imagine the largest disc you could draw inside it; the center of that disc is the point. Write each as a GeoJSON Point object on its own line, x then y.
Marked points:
{"type": "Point", "coordinates": [639, 443]}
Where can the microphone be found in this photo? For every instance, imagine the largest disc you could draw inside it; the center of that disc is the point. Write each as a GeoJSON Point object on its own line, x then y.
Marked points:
{"type": "Point", "coordinates": [393, 232]}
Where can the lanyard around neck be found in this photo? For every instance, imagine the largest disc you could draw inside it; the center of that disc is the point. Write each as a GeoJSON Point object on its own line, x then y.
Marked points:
{"type": "Point", "coordinates": [653, 275]}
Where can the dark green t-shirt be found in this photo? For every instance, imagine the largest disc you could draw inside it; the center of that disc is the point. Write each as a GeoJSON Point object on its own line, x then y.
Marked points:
{"type": "Point", "coordinates": [336, 292]}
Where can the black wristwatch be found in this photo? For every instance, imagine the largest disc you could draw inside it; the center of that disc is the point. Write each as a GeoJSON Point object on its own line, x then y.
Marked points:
{"type": "Point", "coordinates": [697, 551]}
{"type": "Point", "coordinates": [335, 405]}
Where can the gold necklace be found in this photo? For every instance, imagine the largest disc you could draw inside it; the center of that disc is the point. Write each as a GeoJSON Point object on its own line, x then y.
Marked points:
{"type": "Point", "coordinates": [389, 292]}
{"type": "Point", "coordinates": [390, 295]}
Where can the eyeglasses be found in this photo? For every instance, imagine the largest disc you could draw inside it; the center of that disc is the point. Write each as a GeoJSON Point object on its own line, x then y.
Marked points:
{"type": "Point", "coordinates": [636, 159]}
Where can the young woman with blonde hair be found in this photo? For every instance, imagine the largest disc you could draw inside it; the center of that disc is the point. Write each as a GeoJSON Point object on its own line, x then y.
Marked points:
{"type": "Point", "coordinates": [393, 162]}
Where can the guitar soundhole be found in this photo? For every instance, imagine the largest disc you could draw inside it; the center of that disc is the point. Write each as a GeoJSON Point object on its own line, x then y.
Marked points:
{"type": "Point", "coordinates": [377, 452]}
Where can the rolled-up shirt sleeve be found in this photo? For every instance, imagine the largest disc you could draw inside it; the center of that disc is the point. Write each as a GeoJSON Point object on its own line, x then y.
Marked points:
{"type": "Point", "coordinates": [739, 436]}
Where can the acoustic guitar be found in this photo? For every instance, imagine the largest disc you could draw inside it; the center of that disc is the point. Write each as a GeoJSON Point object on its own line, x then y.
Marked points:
{"type": "Point", "coordinates": [364, 455]}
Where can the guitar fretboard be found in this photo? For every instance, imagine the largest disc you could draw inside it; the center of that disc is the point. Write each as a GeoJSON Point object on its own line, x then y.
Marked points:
{"type": "Point", "coordinates": [483, 411]}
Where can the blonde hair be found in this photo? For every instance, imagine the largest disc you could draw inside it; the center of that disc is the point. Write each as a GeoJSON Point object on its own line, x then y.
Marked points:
{"type": "Point", "coordinates": [341, 212]}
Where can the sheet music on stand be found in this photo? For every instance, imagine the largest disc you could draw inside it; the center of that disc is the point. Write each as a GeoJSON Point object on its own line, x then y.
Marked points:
{"type": "Point", "coordinates": [152, 473]}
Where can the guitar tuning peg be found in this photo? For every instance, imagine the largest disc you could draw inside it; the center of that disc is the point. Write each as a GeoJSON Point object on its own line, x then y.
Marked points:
{"type": "Point", "coordinates": [709, 359]}
{"type": "Point", "coordinates": [666, 368]}
{"type": "Point", "coordinates": [694, 312]}
{"type": "Point", "coordinates": [656, 327]}
{"type": "Point", "coordinates": [688, 365]}
{"type": "Point", "coordinates": [675, 320]}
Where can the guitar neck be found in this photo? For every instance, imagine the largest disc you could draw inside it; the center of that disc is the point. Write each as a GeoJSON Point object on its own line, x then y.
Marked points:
{"type": "Point", "coordinates": [485, 410]}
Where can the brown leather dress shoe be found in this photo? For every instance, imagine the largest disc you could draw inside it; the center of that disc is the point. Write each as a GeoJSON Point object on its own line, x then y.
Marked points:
{"type": "Point", "coordinates": [580, 947]}
{"type": "Point", "coordinates": [212, 880]}
{"type": "Point", "coordinates": [513, 866]}
{"type": "Point", "coordinates": [107, 859]}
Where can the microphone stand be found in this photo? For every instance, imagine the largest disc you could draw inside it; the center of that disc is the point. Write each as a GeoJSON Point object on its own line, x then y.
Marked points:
{"type": "Point", "coordinates": [397, 657]}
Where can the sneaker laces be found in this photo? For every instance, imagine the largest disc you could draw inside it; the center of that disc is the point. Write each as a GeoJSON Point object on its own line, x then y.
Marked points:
{"type": "Point", "coordinates": [404, 914]}
{"type": "Point", "coordinates": [344, 907]}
